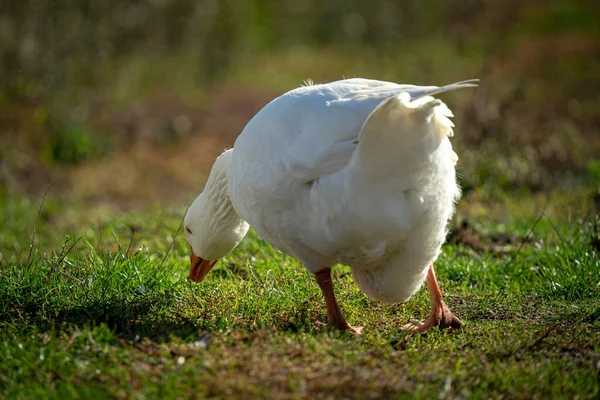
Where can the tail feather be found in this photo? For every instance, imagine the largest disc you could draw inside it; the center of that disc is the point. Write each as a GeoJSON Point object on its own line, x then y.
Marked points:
{"type": "Point", "coordinates": [415, 92]}
{"type": "Point", "coordinates": [422, 91]}
{"type": "Point", "coordinates": [405, 129]}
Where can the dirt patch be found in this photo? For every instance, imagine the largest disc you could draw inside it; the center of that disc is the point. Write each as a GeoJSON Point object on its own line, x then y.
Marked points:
{"type": "Point", "coordinates": [467, 235]}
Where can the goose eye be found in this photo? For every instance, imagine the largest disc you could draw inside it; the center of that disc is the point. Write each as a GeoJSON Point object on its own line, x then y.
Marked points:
{"type": "Point", "coordinates": [188, 230]}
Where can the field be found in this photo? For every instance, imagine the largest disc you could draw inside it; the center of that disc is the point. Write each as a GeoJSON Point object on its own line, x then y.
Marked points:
{"type": "Point", "coordinates": [112, 313]}
{"type": "Point", "coordinates": [102, 149]}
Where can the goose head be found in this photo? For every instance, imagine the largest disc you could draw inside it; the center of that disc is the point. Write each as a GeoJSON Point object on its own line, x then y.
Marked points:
{"type": "Point", "coordinates": [212, 227]}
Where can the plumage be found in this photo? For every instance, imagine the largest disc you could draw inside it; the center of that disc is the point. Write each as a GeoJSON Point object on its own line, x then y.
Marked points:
{"type": "Point", "coordinates": [358, 172]}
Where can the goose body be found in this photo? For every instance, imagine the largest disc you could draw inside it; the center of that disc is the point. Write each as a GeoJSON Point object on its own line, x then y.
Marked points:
{"type": "Point", "coordinates": [358, 172]}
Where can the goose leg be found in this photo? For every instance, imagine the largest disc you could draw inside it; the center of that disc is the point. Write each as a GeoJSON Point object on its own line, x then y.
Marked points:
{"type": "Point", "coordinates": [440, 313]}
{"type": "Point", "coordinates": [334, 313]}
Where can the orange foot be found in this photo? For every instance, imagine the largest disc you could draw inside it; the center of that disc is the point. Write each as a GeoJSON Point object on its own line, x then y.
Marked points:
{"type": "Point", "coordinates": [442, 317]}
{"type": "Point", "coordinates": [357, 330]}
{"type": "Point", "coordinates": [336, 318]}
{"type": "Point", "coordinates": [440, 314]}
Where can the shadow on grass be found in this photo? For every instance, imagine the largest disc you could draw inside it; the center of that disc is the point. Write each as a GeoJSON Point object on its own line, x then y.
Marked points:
{"type": "Point", "coordinates": [133, 321]}
{"type": "Point", "coordinates": [151, 317]}
{"type": "Point", "coordinates": [156, 317]}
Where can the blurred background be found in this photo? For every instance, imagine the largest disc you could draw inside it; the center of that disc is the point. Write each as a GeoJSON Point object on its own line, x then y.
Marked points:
{"type": "Point", "coordinates": [127, 103]}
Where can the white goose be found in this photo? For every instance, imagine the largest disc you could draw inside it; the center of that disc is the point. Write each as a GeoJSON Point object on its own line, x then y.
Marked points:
{"type": "Point", "coordinates": [358, 172]}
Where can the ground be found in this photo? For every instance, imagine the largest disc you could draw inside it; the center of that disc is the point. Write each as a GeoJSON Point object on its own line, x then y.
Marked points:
{"type": "Point", "coordinates": [111, 311]}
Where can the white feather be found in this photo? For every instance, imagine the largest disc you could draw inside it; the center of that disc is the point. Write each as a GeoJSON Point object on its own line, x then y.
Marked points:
{"type": "Point", "coordinates": [359, 172]}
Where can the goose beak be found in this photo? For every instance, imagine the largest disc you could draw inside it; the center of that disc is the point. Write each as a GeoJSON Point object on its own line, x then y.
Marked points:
{"type": "Point", "coordinates": [199, 268]}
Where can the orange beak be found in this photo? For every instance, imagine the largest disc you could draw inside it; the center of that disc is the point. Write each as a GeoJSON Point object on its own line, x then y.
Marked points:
{"type": "Point", "coordinates": [199, 268]}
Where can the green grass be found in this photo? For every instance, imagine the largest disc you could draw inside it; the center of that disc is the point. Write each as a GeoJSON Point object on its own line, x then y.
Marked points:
{"type": "Point", "coordinates": [109, 311]}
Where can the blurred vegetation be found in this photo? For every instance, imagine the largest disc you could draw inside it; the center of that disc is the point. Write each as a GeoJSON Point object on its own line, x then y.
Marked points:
{"type": "Point", "coordinates": [84, 80]}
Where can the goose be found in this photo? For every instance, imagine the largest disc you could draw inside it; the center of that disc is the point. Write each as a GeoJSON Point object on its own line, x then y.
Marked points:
{"type": "Point", "coordinates": [356, 172]}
